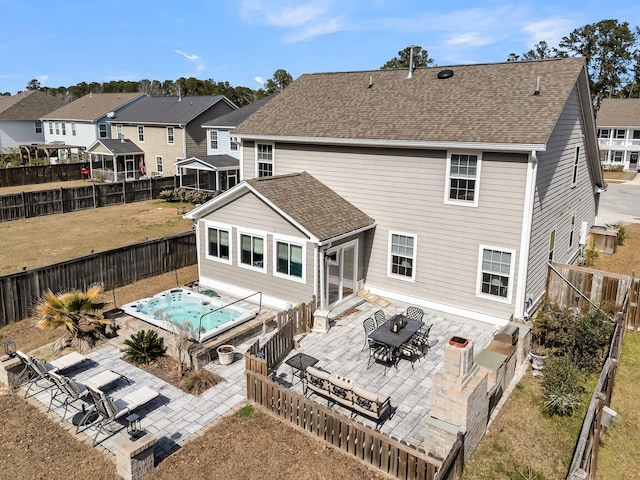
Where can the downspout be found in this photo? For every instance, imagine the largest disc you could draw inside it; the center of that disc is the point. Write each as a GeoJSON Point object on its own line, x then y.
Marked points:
{"type": "Point", "coordinates": [522, 302]}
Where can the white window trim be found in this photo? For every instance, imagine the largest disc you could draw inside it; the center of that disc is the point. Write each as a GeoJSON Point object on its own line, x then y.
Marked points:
{"type": "Point", "coordinates": [512, 278]}
{"type": "Point", "coordinates": [390, 274]}
{"type": "Point", "coordinates": [447, 189]}
{"type": "Point", "coordinates": [219, 226]}
{"type": "Point", "coordinates": [173, 134]}
{"type": "Point", "coordinates": [213, 132]}
{"type": "Point", "coordinates": [253, 233]}
{"type": "Point", "coordinates": [138, 132]}
{"type": "Point", "coordinates": [161, 164]}
{"type": "Point", "coordinates": [73, 129]}
{"type": "Point", "coordinates": [273, 157]}
{"type": "Point", "coordinates": [50, 128]}
{"type": "Point", "coordinates": [290, 241]}
{"type": "Point", "coordinates": [106, 130]}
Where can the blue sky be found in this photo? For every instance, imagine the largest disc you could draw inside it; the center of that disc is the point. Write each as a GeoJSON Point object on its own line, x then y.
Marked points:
{"type": "Point", "coordinates": [245, 41]}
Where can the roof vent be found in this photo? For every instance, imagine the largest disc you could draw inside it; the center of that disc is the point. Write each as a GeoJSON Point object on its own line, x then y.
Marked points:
{"type": "Point", "coordinates": [537, 90]}
{"type": "Point", "coordinates": [447, 73]}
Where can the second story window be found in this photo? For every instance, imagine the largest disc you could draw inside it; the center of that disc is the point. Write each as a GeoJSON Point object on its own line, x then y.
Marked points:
{"type": "Point", "coordinates": [264, 155]}
{"type": "Point", "coordinates": [38, 126]}
{"type": "Point", "coordinates": [50, 128]}
{"type": "Point", "coordinates": [57, 128]}
{"type": "Point", "coordinates": [576, 163]}
{"type": "Point", "coordinates": [140, 133]}
{"type": "Point", "coordinates": [213, 139]}
{"type": "Point", "coordinates": [102, 130]}
{"type": "Point", "coordinates": [64, 128]}
{"type": "Point", "coordinates": [73, 129]}
{"type": "Point", "coordinates": [233, 146]}
{"type": "Point", "coordinates": [463, 172]}
{"type": "Point", "coordinates": [119, 132]}
{"type": "Point", "coordinates": [170, 136]}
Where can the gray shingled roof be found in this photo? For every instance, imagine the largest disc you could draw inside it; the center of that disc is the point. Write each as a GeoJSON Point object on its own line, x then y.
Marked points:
{"type": "Point", "coordinates": [311, 204]}
{"type": "Point", "coordinates": [215, 161]}
{"type": "Point", "coordinates": [487, 103]}
{"type": "Point", "coordinates": [91, 107]}
{"type": "Point", "coordinates": [619, 112]}
{"type": "Point", "coordinates": [28, 106]}
{"type": "Point", "coordinates": [168, 110]}
{"type": "Point", "coordinates": [236, 117]}
{"type": "Point", "coordinates": [120, 147]}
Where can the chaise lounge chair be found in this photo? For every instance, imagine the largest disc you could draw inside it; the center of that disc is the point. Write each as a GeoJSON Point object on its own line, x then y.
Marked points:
{"type": "Point", "coordinates": [74, 391]}
{"type": "Point", "coordinates": [110, 410]}
{"type": "Point", "coordinates": [35, 369]}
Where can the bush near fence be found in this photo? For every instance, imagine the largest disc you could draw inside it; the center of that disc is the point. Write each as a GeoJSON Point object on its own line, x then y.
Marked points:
{"type": "Point", "coordinates": [95, 195]}
{"type": "Point", "coordinates": [113, 268]}
{"type": "Point", "coordinates": [16, 176]}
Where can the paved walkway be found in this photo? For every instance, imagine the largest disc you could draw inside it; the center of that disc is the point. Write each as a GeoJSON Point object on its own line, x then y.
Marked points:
{"type": "Point", "coordinates": [340, 351]}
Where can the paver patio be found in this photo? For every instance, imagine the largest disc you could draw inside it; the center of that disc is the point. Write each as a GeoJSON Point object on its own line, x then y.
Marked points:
{"type": "Point", "coordinates": [340, 351]}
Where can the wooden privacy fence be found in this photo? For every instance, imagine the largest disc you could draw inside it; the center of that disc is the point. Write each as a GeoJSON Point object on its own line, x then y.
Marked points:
{"type": "Point", "coordinates": [570, 285]}
{"type": "Point", "coordinates": [375, 449]}
{"type": "Point", "coordinates": [15, 176]}
{"type": "Point", "coordinates": [114, 268]}
{"type": "Point", "coordinates": [94, 195]}
{"type": "Point", "coordinates": [585, 455]}
{"type": "Point", "coordinates": [290, 322]}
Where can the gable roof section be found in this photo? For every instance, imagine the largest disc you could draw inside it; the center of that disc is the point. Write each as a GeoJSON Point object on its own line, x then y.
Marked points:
{"type": "Point", "coordinates": [28, 106]}
{"type": "Point", "coordinates": [619, 112]}
{"type": "Point", "coordinates": [93, 106]}
{"type": "Point", "coordinates": [479, 104]}
{"type": "Point", "coordinates": [309, 204]}
{"type": "Point", "coordinates": [209, 162]}
{"type": "Point", "coordinates": [117, 147]}
{"type": "Point", "coordinates": [236, 117]}
{"type": "Point", "coordinates": [168, 110]}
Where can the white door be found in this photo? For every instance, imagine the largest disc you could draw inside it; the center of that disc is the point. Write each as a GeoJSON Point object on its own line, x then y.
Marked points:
{"type": "Point", "coordinates": [341, 264]}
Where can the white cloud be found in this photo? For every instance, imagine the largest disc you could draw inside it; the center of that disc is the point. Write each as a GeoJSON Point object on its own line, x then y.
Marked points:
{"type": "Point", "coordinates": [187, 56]}
{"type": "Point", "coordinates": [322, 28]}
{"type": "Point", "coordinates": [550, 30]}
{"type": "Point", "coordinates": [295, 16]}
{"type": "Point", "coordinates": [470, 39]}
{"type": "Point", "coordinates": [259, 79]}
{"type": "Point", "coordinates": [43, 79]}
{"type": "Point", "coordinates": [200, 68]}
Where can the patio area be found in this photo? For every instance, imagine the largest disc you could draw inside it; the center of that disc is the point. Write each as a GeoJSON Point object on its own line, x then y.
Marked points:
{"type": "Point", "coordinates": [340, 351]}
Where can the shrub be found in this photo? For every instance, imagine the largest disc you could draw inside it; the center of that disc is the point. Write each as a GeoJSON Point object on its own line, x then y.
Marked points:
{"type": "Point", "coordinates": [591, 339]}
{"type": "Point", "coordinates": [562, 386]}
{"type": "Point", "coordinates": [185, 195]}
{"type": "Point", "coordinates": [197, 382]}
{"type": "Point", "coordinates": [144, 347]}
{"type": "Point", "coordinates": [622, 233]}
{"type": "Point", "coordinates": [590, 256]}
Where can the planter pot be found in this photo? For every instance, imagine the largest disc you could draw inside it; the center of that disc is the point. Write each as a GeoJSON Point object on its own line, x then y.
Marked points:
{"type": "Point", "coordinates": [225, 354]}
{"type": "Point", "coordinates": [537, 364]}
{"type": "Point", "coordinates": [458, 342]}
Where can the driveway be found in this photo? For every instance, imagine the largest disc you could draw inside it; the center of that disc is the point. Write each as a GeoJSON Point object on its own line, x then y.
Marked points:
{"type": "Point", "coordinates": [620, 203]}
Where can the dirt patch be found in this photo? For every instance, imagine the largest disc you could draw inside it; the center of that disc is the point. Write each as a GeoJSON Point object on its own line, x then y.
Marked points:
{"type": "Point", "coordinates": [40, 241]}
{"type": "Point", "coordinates": [627, 256]}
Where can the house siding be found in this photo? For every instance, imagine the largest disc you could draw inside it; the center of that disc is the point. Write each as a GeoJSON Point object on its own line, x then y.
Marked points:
{"type": "Point", "coordinates": [448, 236]}
{"type": "Point", "coordinates": [556, 201]}
{"type": "Point", "coordinates": [196, 135]}
{"type": "Point", "coordinates": [155, 144]}
{"type": "Point", "coordinates": [15, 133]}
{"type": "Point", "coordinates": [250, 214]}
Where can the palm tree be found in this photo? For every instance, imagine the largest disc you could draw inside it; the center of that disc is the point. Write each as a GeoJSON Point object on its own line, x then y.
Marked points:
{"type": "Point", "coordinates": [76, 312]}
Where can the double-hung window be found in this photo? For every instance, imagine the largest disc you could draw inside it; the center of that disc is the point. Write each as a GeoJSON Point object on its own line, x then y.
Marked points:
{"type": "Point", "coordinates": [50, 128]}
{"type": "Point", "coordinates": [495, 272]}
{"type": "Point", "coordinates": [64, 128]}
{"type": "Point", "coordinates": [252, 251]}
{"type": "Point", "coordinates": [141, 133]}
{"type": "Point", "coordinates": [159, 164]}
{"type": "Point", "coordinates": [73, 129]}
{"type": "Point", "coordinates": [233, 146]}
{"type": "Point", "coordinates": [218, 244]}
{"type": "Point", "coordinates": [264, 158]}
{"type": "Point", "coordinates": [402, 255]}
{"type": "Point", "coordinates": [102, 130]}
{"type": "Point", "coordinates": [38, 126]}
{"type": "Point", "coordinates": [170, 136]}
{"type": "Point", "coordinates": [57, 128]}
{"type": "Point", "coordinates": [213, 139]}
{"type": "Point", "coordinates": [289, 259]}
{"type": "Point", "coordinates": [463, 172]}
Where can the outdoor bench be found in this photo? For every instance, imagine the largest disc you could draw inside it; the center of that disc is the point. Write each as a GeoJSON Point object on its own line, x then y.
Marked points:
{"type": "Point", "coordinates": [338, 389]}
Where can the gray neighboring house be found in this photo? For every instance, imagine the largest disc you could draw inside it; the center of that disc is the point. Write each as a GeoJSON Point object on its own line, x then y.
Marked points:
{"type": "Point", "coordinates": [476, 177]}
{"type": "Point", "coordinates": [84, 120]}
{"type": "Point", "coordinates": [219, 169]}
{"type": "Point", "coordinates": [20, 115]}
{"type": "Point", "coordinates": [618, 122]}
{"type": "Point", "coordinates": [169, 129]}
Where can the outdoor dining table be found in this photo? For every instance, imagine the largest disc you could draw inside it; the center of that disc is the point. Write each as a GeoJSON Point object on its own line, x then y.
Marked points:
{"type": "Point", "coordinates": [394, 340]}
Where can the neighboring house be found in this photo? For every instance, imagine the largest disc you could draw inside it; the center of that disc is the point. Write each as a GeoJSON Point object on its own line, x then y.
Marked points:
{"type": "Point", "coordinates": [618, 123]}
{"type": "Point", "coordinates": [169, 129]}
{"type": "Point", "coordinates": [113, 160]}
{"type": "Point", "coordinates": [219, 169]}
{"type": "Point", "coordinates": [20, 114]}
{"type": "Point", "coordinates": [475, 175]}
{"type": "Point", "coordinates": [84, 120]}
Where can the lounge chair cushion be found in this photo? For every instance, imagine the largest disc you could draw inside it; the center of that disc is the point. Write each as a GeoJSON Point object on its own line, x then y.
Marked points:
{"type": "Point", "coordinates": [66, 361]}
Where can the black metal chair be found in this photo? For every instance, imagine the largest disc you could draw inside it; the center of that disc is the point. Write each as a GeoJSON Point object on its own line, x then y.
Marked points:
{"type": "Point", "coordinates": [379, 317]}
{"type": "Point", "coordinates": [421, 340]}
{"type": "Point", "coordinates": [415, 313]}
{"type": "Point", "coordinates": [369, 325]}
{"type": "Point", "coordinates": [382, 354]}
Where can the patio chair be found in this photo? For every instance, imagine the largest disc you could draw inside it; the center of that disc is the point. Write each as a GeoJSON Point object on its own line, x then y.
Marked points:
{"type": "Point", "coordinates": [35, 369]}
{"type": "Point", "coordinates": [74, 391]}
{"type": "Point", "coordinates": [369, 325]}
{"type": "Point", "coordinates": [382, 354]}
{"type": "Point", "coordinates": [379, 317]}
{"type": "Point", "coordinates": [415, 313]}
{"type": "Point", "coordinates": [421, 340]}
{"type": "Point", "coordinates": [110, 410]}
{"type": "Point", "coordinates": [411, 352]}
